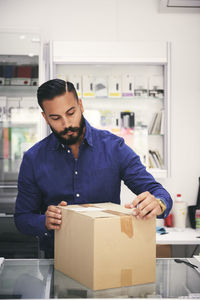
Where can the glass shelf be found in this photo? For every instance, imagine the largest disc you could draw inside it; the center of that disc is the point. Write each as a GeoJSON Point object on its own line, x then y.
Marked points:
{"type": "Point", "coordinates": [37, 278]}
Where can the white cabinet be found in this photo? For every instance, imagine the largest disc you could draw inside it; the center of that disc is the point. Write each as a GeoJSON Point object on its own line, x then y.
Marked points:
{"type": "Point", "coordinates": [125, 89]}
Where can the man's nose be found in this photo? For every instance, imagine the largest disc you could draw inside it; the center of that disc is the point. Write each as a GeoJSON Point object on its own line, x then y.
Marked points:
{"type": "Point", "coordinates": [65, 122]}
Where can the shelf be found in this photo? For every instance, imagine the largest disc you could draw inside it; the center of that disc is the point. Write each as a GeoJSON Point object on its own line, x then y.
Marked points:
{"type": "Point", "coordinates": [121, 98]}
{"type": "Point", "coordinates": [18, 91]}
{"type": "Point", "coordinates": [150, 134]}
{"type": "Point", "coordinates": [17, 125]}
{"type": "Point", "coordinates": [138, 64]}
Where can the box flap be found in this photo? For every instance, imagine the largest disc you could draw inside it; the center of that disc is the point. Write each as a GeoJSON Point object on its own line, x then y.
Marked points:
{"type": "Point", "coordinates": [100, 210]}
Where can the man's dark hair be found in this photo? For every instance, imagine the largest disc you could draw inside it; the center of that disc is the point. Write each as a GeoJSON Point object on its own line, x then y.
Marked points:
{"type": "Point", "coordinates": [52, 88]}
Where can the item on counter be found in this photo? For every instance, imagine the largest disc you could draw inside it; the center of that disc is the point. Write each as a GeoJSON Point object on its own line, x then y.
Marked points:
{"type": "Point", "coordinates": [192, 209]}
{"type": "Point", "coordinates": [179, 261]}
{"type": "Point", "coordinates": [179, 212]}
{"type": "Point", "coordinates": [169, 221]}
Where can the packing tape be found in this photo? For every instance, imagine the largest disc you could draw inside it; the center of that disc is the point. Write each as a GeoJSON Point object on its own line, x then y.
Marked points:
{"type": "Point", "coordinates": [87, 205]}
{"type": "Point", "coordinates": [126, 277]}
{"type": "Point", "coordinates": [125, 220]}
{"type": "Point", "coordinates": [127, 225]}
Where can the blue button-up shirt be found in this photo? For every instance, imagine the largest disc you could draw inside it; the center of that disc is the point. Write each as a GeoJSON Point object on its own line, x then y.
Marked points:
{"type": "Point", "coordinates": [49, 174]}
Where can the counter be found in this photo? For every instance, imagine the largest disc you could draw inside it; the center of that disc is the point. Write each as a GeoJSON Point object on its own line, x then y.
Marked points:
{"type": "Point", "coordinates": [37, 278]}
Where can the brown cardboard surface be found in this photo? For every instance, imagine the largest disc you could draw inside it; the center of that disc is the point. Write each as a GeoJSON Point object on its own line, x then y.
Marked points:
{"type": "Point", "coordinates": [117, 252]}
{"type": "Point", "coordinates": [106, 249]}
{"type": "Point", "coordinates": [74, 247]}
{"type": "Point", "coordinates": [163, 251]}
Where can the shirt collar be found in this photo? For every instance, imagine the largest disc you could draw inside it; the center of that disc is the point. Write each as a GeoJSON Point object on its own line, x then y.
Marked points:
{"type": "Point", "coordinates": [55, 144]}
{"type": "Point", "coordinates": [88, 133]}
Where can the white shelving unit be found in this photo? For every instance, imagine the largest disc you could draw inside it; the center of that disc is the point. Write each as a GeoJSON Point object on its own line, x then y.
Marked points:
{"type": "Point", "coordinates": [107, 59]}
{"type": "Point", "coordinates": [19, 114]}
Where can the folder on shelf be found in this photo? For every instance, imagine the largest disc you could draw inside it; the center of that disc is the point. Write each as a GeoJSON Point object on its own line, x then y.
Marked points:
{"type": "Point", "coordinates": [24, 71]}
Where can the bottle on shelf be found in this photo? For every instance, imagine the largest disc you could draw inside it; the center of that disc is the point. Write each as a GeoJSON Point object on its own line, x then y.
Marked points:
{"type": "Point", "coordinates": [179, 212]}
{"type": "Point", "coordinates": [197, 219]}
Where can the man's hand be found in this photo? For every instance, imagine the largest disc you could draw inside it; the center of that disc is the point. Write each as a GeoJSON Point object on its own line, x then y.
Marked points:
{"type": "Point", "coordinates": [146, 206]}
{"type": "Point", "coordinates": [53, 216]}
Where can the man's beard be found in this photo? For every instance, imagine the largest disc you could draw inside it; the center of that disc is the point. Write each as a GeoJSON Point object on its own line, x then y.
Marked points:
{"type": "Point", "coordinates": [71, 140]}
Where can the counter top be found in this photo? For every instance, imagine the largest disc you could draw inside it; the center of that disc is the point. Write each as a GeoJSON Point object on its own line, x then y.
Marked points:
{"type": "Point", "coordinates": [175, 236]}
{"type": "Point", "coordinates": [37, 278]}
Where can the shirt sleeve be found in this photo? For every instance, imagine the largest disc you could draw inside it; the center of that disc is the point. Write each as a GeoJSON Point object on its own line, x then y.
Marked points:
{"type": "Point", "coordinates": [28, 218]}
{"type": "Point", "coordinates": [137, 179]}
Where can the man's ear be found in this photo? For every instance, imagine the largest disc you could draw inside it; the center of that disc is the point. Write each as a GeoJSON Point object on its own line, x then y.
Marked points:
{"type": "Point", "coordinates": [81, 105]}
{"type": "Point", "coordinates": [44, 116]}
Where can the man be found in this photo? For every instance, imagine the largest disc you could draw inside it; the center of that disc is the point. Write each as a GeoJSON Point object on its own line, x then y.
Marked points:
{"type": "Point", "coordinates": [78, 164]}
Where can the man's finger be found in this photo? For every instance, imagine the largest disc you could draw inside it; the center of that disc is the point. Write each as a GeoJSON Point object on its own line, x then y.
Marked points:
{"type": "Point", "coordinates": [54, 209]}
{"type": "Point", "coordinates": [140, 198]}
{"type": "Point", "coordinates": [53, 221]}
{"type": "Point", "coordinates": [147, 209]}
{"type": "Point", "coordinates": [53, 215]}
{"type": "Point", "coordinates": [135, 212]}
{"type": "Point", "coordinates": [53, 227]}
{"type": "Point", "coordinates": [129, 205]}
{"type": "Point", "coordinates": [63, 203]}
{"type": "Point", "coordinates": [145, 202]}
{"type": "Point", "coordinates": [151, 215]}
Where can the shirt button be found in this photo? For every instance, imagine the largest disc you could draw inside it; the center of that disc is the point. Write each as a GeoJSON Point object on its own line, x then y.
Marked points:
{"type": "Point", "coordinates": [77, 195]}
{"type": "Point", "coordinates": [76, 172]}
{"type": "Point", "coordinates": [68, 151]}
{"type": "Point", "coordinates": [46, 234]}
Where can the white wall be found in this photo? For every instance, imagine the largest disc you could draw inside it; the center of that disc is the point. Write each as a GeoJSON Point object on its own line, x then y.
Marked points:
{"type": "Point", "coordinates": [129, 20]}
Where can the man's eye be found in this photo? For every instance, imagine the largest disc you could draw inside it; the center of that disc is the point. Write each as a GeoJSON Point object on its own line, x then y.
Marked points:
{"type": "Point", "coordinates": [70, 114]}
{"type": "Point", "coordinates": [57, 118]}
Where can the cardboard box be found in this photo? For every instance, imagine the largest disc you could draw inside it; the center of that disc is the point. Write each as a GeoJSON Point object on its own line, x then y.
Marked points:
{"type": "Point", "coordinates": [65, 287]}
{"type": "Point", "coordinates": [104, 246]}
